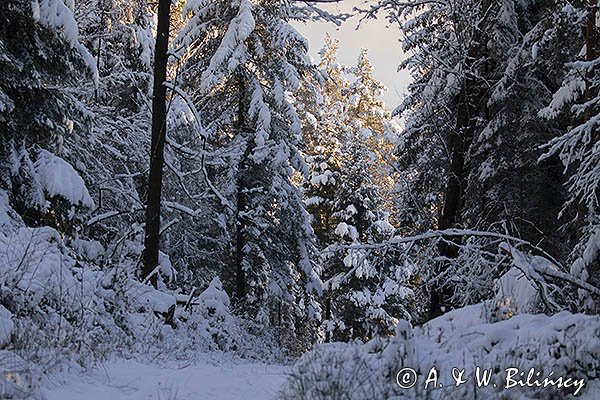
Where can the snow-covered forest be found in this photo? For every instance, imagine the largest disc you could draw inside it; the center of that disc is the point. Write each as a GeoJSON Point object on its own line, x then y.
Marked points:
{"type": "Point", "coordinates": [193, 207]}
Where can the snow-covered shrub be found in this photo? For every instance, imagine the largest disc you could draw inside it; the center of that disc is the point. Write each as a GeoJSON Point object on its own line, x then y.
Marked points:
{"type": "Point", "coordinates": [6, 326]}
{"type": "Point", "coordinates": [214, 307]}
{"type": "Point", "coordinates": [567, 344]}
{"type": "Point", "coordinates": [201, 323]}
{"type": "Point", "coordinates": [59, 305]}
{"type": "Point", "coordinates": [74, 301]}
{"type": "Point", "coordinates": [331, 371]}
{"type": "Point", "coordinates": [59, 309]}
{"type": "Point", "coordinates": [67, 199]}
{"type": "Point", "coordinates": [45, 190]}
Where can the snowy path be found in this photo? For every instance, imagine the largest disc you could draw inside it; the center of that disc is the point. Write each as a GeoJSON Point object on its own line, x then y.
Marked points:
{"type": "Point", "coordinates": [131, 380]}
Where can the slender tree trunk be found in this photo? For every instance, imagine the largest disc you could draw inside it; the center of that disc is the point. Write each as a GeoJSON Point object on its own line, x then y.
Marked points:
{"type": "Point", "coordinates": [590, 53]}
{"type": "Point", "coordinates": [459, 142]}
{"type": "Point", "coordinates": [159, 128]}
{"type": "Point", "coordinates": [240, 274]}
{"type": "Point", "coordinates": [240, 223]}
{"type": "Point", "coordinates": [328, 317]}
{"type": "Point", "coordinates": [98, 67]}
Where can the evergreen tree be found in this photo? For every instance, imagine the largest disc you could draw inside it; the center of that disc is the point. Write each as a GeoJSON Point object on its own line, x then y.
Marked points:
{"type": "Point", "coordinates": [578, 146]}
{"type": "Point", "coordinates": [244, 61]}
{"type": "Point", "coordinates": [119, 33]}
{"type": "Point", "coordinates": [41, 58]}
{"type": "Point", "coordinates": [472, 136]}
{"type": "Point", "coordinates": [375, 126]}
{"type": "Point", "coordinates": [349, 176]}
{"type": "Point", "coordinates": [323, 130]}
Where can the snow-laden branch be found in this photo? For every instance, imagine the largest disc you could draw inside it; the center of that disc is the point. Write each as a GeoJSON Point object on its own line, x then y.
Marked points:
{"type": "Point", "coordinates": [533, 268]}
{"type": "Point", "coordinates": [539, 270]}
{"type": "Point", "coordinates": [309, 10]}
{"type": "Point", "coordinates": [433, 234]}
{"type": "Point", "coordinates": [109, 215]}
{"type": "Point", "coordinates": [224, 201]}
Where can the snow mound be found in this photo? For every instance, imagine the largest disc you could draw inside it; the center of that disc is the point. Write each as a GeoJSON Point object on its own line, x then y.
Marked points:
{"type": "Point", "coordinates": [59, 178]}
{"type": "Point", "coordinates": [6, 326]}
{"type": "Point", "coordinates": [515, 293]}
{"type": "Point", "coordinates": [167, 270]}
{"type": "Point", "coordinates": [36, 262]}
{"type": "Point", "coordinates": [562, 345]}
{"type": "Point", "coordinates": [214, 300]}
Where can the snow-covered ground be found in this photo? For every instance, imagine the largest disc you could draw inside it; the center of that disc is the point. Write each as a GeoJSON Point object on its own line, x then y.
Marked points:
{"type": "Point", "coordinates": [216, 378]}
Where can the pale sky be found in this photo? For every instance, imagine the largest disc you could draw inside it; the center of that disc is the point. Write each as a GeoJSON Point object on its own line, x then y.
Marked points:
{"type": "Point", "coordinates": [384, 48]}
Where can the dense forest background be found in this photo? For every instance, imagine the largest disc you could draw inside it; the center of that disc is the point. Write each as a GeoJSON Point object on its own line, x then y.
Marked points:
{"type": "Point", "coordinates": [291, 207]}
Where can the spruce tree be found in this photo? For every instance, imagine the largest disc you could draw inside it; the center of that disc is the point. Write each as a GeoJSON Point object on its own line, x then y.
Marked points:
{"type": "Point", "coordinates": [245, 61]}
{"type": "Point", "coordinates": [469, 152]}
{"type": "Point", "coordinates": [578, 144]}
{"type": "Point", "coordinates": [41, 58]}
{"type": "Point", "coordinates": [348, 157]}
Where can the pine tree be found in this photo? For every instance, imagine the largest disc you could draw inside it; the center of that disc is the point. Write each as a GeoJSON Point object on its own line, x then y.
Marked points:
{"type": "Point", "coordinates": [375, 126]}
{"type": "Point", "coordinates": [323, 130]}
{"type": "Point", "coordinates": [507, 183]}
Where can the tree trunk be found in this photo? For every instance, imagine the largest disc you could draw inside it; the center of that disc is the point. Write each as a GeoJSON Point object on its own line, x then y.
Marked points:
{"type": "Point", "coordinates": [590, 53]}
{"type": "Point", "coordinates": [159, 128]}
{"type": "Point", "coordinates": [459, 142]}
{"type": "Point", "coordinates": [328, 318]}
{"type": "Point", "coordinates": [240, 223]}
{"type": "Point", "coordinates": [240, 274]}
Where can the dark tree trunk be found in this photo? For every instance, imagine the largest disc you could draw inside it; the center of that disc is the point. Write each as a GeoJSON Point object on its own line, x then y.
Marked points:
{"type": "Point", "coordinates": [240, 220]}
{"type": "Point", "coordinates": [328, 317]}
{"type": "Point", "coordinates": [98, 55]}
{"type": "Point", "coordinates": [240, 274]}
{"type": "Point", "coordinates": [590, 53]}
{"type": "Point", "coordinates": [159, 128]}
{"type": "Point", "coordinates": [460, 141]}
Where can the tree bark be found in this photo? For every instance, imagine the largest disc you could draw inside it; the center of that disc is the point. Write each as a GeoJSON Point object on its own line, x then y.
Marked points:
{"type": "Point", "coordinates": [240, 274]}
{"type": "Point", "coordinates": [159, 128]}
